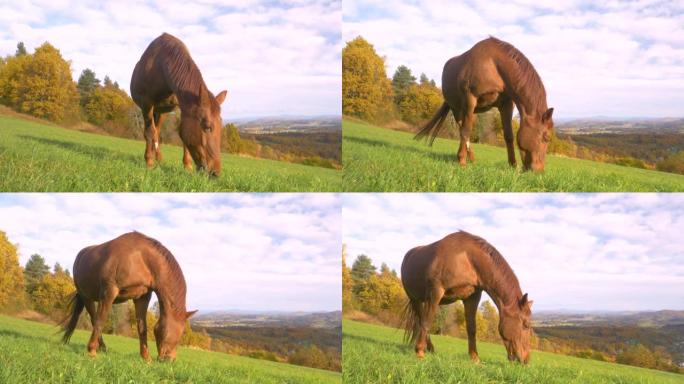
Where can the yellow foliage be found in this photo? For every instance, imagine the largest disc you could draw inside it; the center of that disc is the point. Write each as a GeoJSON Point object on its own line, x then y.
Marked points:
{"type": "Point", "coordinates": [366, 90]}
{"type": "Point", "coordinates": [11, 275]}
{"type": "Point", "coordinates": [51, 295]}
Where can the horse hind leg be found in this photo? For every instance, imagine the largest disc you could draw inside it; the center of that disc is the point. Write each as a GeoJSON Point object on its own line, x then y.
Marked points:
{"type": "Point", "coordinates": [92, 312]}
{"type": "Point", "coordinates": [427, 317]}
{"type": "Point", "coordinates": [103, 308]}
{"type": "Point", "coordinates": [141, 305]}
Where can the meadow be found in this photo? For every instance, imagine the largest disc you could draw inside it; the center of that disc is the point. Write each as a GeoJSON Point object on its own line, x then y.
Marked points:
{"type": "Point", "coordinates": [377, 159]}
{"type": "Point", "coordinates": [40, 157]}
{"type": "Point", "coordinates": [32, 353]}
{"type": "Point", "coordinates": [377, 354]}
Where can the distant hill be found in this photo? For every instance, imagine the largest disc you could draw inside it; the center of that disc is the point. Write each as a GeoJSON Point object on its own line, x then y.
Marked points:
{"type": "Point", "coordinates": [274, 319]}
{"type": "Point", "coordinates": [615, 125]}
{"type": "Point", "coordinates": [281, 124]}
{"type": "Point", "coordinates": [642, 319]}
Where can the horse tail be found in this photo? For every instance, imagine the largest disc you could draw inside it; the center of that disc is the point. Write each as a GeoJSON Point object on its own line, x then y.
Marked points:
{"type": "Point", "coordinates": [411, 319]}
{"type": "Point", "coordinates": [435, 124]}
{"type": "Point", "coordinates": [69, 323]}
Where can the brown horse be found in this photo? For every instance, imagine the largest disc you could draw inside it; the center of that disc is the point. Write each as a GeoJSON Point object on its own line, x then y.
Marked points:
{"type": "Point", "coordinates": [167, 77]}
{"type": "Point", "coordinates": [491, 74]}
{"type": "Point", "coordinates": [130, 267]}
{"type": "Point", "coordinates": [460, 267]}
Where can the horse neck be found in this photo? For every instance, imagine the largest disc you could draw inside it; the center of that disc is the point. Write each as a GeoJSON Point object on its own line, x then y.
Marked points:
{"type": "Point", "coordinates": [499, 282]}
{"type": "Point", "coordinates": [527, 105]}
{"type": "Point", "coordinates": [170, 289]}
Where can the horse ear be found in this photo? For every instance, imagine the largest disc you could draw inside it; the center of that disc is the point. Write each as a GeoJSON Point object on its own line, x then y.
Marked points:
{"type": "Point", "coordinates": [204, 96]}
{"type": "Point", "coordinates": [188, 314]}
{"type": "Point", "coordinates": [529, 304]}
{"type": "Point", "coordinates": [547, 115]}
{"type": "Point", "coordinates": [221, 97]}
{"type": "Point", "coordinates": [522, 301]}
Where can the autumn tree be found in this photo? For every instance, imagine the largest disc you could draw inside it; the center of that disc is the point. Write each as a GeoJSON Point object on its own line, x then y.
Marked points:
{"type": "Point", "coordinates": [108, 104]}
{"type": "Point", "coordinates": [11, 276]}
{"type": "Point", "coordinates": [366, 90]}
{"type": "Point", "coordinates": [310, 356]}
{"type": "Point", "coordinates": [34, 271]}
{"type": "Point", "coordinates": [347, 297]}
{"type": "Point", "coordinates": [231, 139]}
{"type": "Point", "coordinates": [46, 89]}
{"type": "Point", "coordinates": [420, 102]}
{"type": "Point", "coordinates": [51, 296]}
{"type": "Point", "coordinates": [490, 317]}
{"type": "Point", "coordinates": [361, 272]}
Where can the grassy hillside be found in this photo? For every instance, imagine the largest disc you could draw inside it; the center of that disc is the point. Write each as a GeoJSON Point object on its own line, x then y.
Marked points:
{"type": "Point", "coordinates": [375, 354]}
{"type": "Point", "coordinates": [31, 353]}
{"type": "Point", "coordinates": [377, 159]}
{"type": "Point", "coordinates": [40, 157]}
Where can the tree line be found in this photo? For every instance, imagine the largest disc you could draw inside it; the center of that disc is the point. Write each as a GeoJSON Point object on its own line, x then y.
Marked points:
{"type": "Point", "coordinates": [40, 84]}
{"type": "Point", "coordinates": [377, 296]}
{"type": "Point", "coordinates": [37, 292]}
{"type": "Point", "coordinates": [403, 103]}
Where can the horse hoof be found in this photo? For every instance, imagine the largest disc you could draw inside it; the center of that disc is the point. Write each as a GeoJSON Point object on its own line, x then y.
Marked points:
{"type": "Point", "coordinates": [92, 354]}
{"type": "Point", "coordinates": [475, 359]}
{"type": "Point", "coordinates": [420, 354]}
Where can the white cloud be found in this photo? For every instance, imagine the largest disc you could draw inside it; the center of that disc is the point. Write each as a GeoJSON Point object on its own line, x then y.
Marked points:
{"type": "Point", "coordinates": [621, 59]}
{"type": "Point", "coordinates": [245, 251]}
{"type": "Point", "coordinates": [572, 251]}
{"type": "Point", "coordinates": [273, 59]}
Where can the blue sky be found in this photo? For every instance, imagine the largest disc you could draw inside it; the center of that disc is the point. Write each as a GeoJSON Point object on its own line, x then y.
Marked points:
{"type": "Point", "coordinates": [273, 57]}
{"type": "Point", "coordinates": [276, 252]}
{"type": "Point", "coordinates": [582, 252]}
{"type": "Point", "coordinates": [618, 59]}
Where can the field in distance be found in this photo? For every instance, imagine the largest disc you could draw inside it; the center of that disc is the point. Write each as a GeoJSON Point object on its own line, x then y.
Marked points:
{"type": "Point", "coordinates": [377, 354]}
{"type": "Point", "coordinates": [32, 353]}
{"type": "Point", "coordinates": [40, 157]}
{"type": "Point", "coordinates": [377, 159]}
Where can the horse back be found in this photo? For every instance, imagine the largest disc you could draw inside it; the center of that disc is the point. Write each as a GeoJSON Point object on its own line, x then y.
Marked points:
{"type": "Point", "coordinates": [149, 82]}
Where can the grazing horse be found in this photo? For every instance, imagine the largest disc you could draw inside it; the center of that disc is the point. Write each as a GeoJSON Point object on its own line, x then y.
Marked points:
{"type": "Point", "coordinates": [460, 267]}
{"type": "Point", "coordinates": [491, 74]}
{"type": "Point", "coordinates": [167, 77]}
{"type": "Point", "coordinates": [130, 267]}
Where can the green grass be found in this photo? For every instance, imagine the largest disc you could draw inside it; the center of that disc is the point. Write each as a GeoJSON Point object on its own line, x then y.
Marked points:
{"type": "Point", "coordinates": [46, 158]}
{"type": "Point", "coordinates": [375, 354]}
{"type": "Point", "coordinates": [31, 353]}
{"type": "Point", "coordinates": [377, 159]}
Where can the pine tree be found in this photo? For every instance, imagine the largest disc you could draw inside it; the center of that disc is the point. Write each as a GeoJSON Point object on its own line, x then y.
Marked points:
{"type": "Point", "coordinates": [87, 84]}
{"type": "Point", "coordinates": [34, 271]}
{"type": "Point", "coordinates": [21, 49]}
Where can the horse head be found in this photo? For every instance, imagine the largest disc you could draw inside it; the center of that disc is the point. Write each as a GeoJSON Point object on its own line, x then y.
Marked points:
{"type": "Point", "coordinates": [533, 139]}
{"type": "Point", "coordinates": [201, 128]}
{"type": "Point", "coordinates": [515, 329]}
{"type": "Point", "coordinates": [168, 332]}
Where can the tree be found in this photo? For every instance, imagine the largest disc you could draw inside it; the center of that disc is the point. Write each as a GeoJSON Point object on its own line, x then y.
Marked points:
{"type": "Point", "coordinates": [425, 81]}
{"type": "Point", "coordinates": [231, 139]}
{"type": "Point", "coordinates": [21, 49]}
{"type": "Point", "coordinates": [420, 102]}
{"type": "Point", "coordinates": [347, 298]}
{"type": "Point", "coordinates": [361, 272]}
{"type": "Point", "coordinates": [366, 90]}
{"type": "Point", "coordinates": [87, 84]}
{"type": "Point", "coordinates": [108, 82]}
{"type": "Point", "coordinates": [108, 104]}
{"type": "Point", "coordinates": [11, 276]}
{"type": "Point", "coordinates": [34, 271]}
{"type": "Point", "coordinates": [51, 296]}
{"type": "Point", "coordinates": [491, 317]}
{"type": "Point", "coordinates": [41, 85]}
{"type": "Point", "coordinates": [401, 82]}
{"type": "Point", "coordinates": [310, 356]}
{"type": "Point", "coordinates": [637, 355]}
{"type": "Point", "coordinates": [673, 163]}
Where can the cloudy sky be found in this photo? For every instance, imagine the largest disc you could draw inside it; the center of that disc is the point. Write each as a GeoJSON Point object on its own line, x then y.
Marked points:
{"type": "Point", "coordinates": [618, 59]}
{"type": "Point", "coordinates": [273, 57]}
{"type": "Point", "coordinates": [277, 252]}
{"type": "Point", "coordinates": [580, 252]}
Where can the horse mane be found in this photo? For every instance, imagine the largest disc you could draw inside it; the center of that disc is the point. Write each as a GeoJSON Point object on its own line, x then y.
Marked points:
{"type": "Point", "coordinates": [176, 287]}
{"type": "Point", "coordinates": [186, 78]}
{"type": "Point", "coordinates": [526, 80]}
{"type": "Point", "coordinates": [509, 281]}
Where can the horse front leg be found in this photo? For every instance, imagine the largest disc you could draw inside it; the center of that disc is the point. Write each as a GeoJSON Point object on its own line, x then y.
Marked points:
{"type": "Point", "coordinates": [106, 301]}
{"type": "Point", "coordinates": [465, 150]}
{"type": "Point", "coordinates": [150, 135]}
{"type": "Point", "coordinates": [187, 158]}
{"type": "Point", "coordinates": [470, 305]}
{"type": "Point", "coordinates": [158, 121]}
{"type": "Point", "coordinates": [427, 316]}
{"type": "Point", "coordinates": [141, 305]}
{"type": "Point", "coordinates": [506, 112]}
